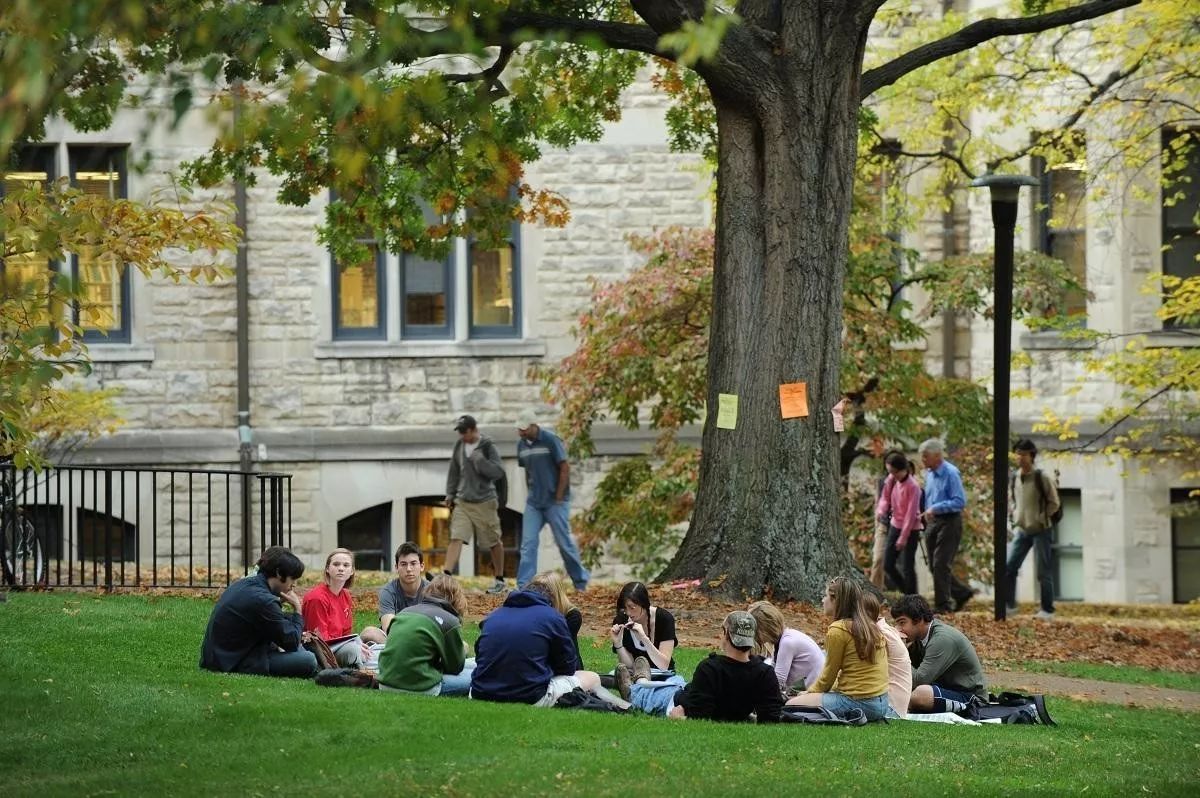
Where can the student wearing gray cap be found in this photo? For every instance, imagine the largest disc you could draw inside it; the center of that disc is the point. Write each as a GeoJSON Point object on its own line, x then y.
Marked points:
{"type": "Point", "coordinates": [730, 686]}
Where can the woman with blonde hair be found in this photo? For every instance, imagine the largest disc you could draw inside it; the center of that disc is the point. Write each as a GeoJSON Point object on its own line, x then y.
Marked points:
{"type": "Point", "coordinates": [855, 657]}
{"type": "Point", "coordinates": [796, 657]}
{"type": "Point", "coordinates": [328, 611]}
{"type": "Point", "coordinates": [425, 652]}
{"type": "Point", "coordinates": [556, 587]}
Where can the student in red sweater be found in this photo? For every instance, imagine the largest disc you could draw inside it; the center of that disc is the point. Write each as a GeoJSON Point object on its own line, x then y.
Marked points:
{"type": "Point", "coordinates": [329, 611]}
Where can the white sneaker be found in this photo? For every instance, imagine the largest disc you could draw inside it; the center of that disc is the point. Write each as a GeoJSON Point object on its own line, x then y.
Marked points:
{"type": "Point", "coordinates": [497, 588]}
{"type": "Point", "coordinates": [1044, 616]}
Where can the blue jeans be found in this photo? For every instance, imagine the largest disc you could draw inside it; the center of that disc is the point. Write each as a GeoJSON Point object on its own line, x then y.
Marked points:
{"type": "Point", "coordinates": [1022, 542]}
{"type": "Point", "coordinates": [839, 704]}
{"type": "Point", "coordinates": [458, 683]}
{"type": "Point", "coordinates": [656, 698]}
{"type": "Point", "coordinates": [556, 515]}
{"type": "Point", "coordinates": [301, 663]}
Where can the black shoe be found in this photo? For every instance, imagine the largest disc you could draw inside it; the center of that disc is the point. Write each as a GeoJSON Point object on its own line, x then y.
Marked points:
{"type": "Point", "coordinates": [962, 602]}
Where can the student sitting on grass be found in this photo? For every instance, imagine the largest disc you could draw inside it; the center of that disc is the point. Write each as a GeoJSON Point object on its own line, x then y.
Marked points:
{"type": "Point", "coordinates": [796, 657]}
{"type": "Point", "coordinates": [557, 589]}
{"type": "Point", "coordinates": [408, 586]}
{"type": "Point", "coordinates": [425, 652]}
{"type": "Point", "coordinates": [641, 630]}
{"type": "Point", "coordinates": [899, 665]}
{"type": "Point", "coordinates": [525, 654]}
{"type": "Point", "coordinates": [329, 612]}
{"type": "Point", "coordinates": [855, 657]}
{"type": "Point", "coordinates": [248, 631]}
{"type": "Point", "coordinates": [729, 686]}
{"type": "Point", "coordinates": [946, 669]}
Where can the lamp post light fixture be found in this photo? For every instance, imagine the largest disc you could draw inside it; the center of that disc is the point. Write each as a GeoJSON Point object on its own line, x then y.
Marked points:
{"type": "Point", "coordinates": [1005, 190]}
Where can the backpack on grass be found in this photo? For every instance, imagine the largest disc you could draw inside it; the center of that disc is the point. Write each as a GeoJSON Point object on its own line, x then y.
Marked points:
{"type": "Point", "coordinates": [794, 714]}
{"type": "Point", "coordinates": [347, 677]}
{"type": "Point", "coordinates": [1010, 708]}
{"type": "Point", "coordinates": [582, 699]}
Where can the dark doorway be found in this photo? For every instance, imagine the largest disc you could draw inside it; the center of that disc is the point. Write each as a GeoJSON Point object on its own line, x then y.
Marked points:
{"type": "Point", "coordinates": [99, 532]}
{"type": "Point", "coordinates": [368, 533]}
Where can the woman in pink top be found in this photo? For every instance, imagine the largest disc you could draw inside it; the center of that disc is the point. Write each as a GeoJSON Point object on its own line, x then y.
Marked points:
{"type": "Point", "coordinates": [900, 507]}
{"type": "Point", "coordinates": [796, 657]}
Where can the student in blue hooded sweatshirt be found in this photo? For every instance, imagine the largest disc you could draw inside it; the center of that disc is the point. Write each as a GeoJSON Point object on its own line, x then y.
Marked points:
{"type": "Point", "coordinates": [525, 654]}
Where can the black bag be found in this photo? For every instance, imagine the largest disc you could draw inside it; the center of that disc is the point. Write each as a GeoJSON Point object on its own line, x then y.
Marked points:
{"type": "Point", "coordinates": [794, 714]}
{"type": "Point", "coordinates": [1010, 708]}
{"type": "Point", "coordinates": [582, 699]}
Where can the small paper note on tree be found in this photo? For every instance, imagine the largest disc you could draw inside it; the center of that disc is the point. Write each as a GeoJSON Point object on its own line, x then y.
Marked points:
{"type": "Point", "coordinates": [793, 399]}
{"type": "Point", "coordinates": [727, 404]}
{"type": "Point", "coordinates": [839, 418]}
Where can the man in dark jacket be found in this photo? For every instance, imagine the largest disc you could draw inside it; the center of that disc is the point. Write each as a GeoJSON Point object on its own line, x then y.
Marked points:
{"type": "Point", "coordinates": [525, 654]}
{"type": "Point", "coordinates": [475, 469]}
{"type": "Point", "coordinates": [248, 632]}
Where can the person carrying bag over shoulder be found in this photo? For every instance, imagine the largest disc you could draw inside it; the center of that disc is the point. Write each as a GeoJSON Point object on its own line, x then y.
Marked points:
{"type": "Point", "coordinates": [1034, 509]}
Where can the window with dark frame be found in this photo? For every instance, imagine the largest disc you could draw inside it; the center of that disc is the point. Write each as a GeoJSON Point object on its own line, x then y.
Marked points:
{"type": "Point", "coordinates": [495, 288]}
{"type": "Point", "coordinates": [1185, 545]}
{"type": "Point", "coordinates": [103, 310]}
{"type": "Point", "coordinates": [1181, 209]}
{"type": "Point", "coordinates": [1060, 222]}
{"type": "Point", "coordinates": [29, 166]}
{"type": "Point", "coordinates": [360, 296]}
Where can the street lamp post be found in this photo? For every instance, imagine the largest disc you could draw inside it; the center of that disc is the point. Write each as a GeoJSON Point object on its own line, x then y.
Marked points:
{"type": "Point", "coordinates": [1004, 190]}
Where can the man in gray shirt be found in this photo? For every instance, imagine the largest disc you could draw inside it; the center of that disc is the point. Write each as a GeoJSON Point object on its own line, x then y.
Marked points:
{"type": "Point", "coordinates": [407, 588]}
{"type": "Point", "coordinates": [946, 669]}
{"type": "Point", "coordinates": [471, 495]}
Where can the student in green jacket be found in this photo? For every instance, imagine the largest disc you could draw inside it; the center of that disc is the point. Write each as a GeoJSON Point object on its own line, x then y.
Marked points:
{"type": "Point", "coordinates": [425, 652]}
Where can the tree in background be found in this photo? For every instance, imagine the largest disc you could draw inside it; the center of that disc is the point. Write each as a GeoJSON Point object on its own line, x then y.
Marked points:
{"type": "Point", "coordinates": [421, 116]}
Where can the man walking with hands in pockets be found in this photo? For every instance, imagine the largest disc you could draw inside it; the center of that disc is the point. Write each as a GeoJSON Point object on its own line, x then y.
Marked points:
{"type": "Point", "coordinates": [548, 476]}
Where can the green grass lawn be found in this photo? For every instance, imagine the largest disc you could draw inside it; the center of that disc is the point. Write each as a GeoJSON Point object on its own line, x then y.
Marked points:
{"type": "Point", "coordinates": [103, 696]}
{"type": "Point", "coordinates": [1127, 674]}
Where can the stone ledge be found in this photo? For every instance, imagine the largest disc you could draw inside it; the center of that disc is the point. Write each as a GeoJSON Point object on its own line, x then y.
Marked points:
{"type": "Point", "coordinates": [329, 444]}
{"type": "Point", "coordinates": [1051, 339]}
{"type": "Point", "coordinates": [530, 347]}
{"type": "Point", "coordinates": [120, 353]}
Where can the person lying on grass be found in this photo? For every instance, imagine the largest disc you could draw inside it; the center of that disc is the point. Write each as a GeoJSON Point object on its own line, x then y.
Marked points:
{"type": "Point", "coordinates": [855, 657]}
{"type": "Point", "coordinates": [248, 631]}
{"type": "Point", "coordinates": [329, 612]}
{"type": "Point", "coordinates": [946, 669]}
{"type": "Point", "coordinates": [642, 630]}
{"type": "Point", "coordinates": [425, 652]}
{"type": "Point", "coordinates": [796, 657]}
{"type": "Point", "coordinates": [525, 655]}
{"type": "Point", "coordinates": [730, 686]}
{"type": "Point", "coordinates": [556, 587]}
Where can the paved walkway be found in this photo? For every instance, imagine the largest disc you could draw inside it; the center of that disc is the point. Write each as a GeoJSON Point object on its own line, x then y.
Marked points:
{"type": "Point", "coordinates": [1137, 695]}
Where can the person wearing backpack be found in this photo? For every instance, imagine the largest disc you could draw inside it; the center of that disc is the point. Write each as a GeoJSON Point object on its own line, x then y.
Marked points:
{"type": "Point", "coordinates": [1034, 508]}
{"type": "Point", "coordinates": [473, 498]}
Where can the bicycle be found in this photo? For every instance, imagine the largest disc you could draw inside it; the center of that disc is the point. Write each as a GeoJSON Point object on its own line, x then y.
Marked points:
{"type": "Point", "coordinates": [23, 562]}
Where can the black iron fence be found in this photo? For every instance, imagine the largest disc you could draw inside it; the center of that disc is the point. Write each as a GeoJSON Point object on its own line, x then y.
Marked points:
{"type": "Point", "coordinates": [135, 526]}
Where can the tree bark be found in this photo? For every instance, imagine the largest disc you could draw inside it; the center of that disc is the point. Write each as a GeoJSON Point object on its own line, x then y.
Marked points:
{"type": "Point", "coordinates": [767, 516]}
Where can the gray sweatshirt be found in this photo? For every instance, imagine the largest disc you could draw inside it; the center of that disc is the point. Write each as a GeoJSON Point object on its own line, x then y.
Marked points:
{"type": "Point", "coordinates": [472, 479]}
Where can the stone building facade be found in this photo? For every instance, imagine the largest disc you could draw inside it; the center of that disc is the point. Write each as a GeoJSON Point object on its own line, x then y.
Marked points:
{"type": "Point", "coordinates": [364, 424]}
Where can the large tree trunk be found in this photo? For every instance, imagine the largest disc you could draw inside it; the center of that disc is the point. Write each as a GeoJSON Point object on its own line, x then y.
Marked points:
{"type": "Point", "coordinates": [768, 512]}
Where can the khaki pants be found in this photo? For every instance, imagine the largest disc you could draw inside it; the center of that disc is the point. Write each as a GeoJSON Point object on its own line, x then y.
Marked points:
{"type": "Point", "coordinates": [877, 554]}
{"type": "Point", "coordinates": [478, 519]}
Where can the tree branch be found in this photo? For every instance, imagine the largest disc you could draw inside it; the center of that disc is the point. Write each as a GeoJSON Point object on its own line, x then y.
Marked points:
{"type": "Point", "coordinates": [981, 31]}
{"type": "Point", "coordinates": [666, 16]}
